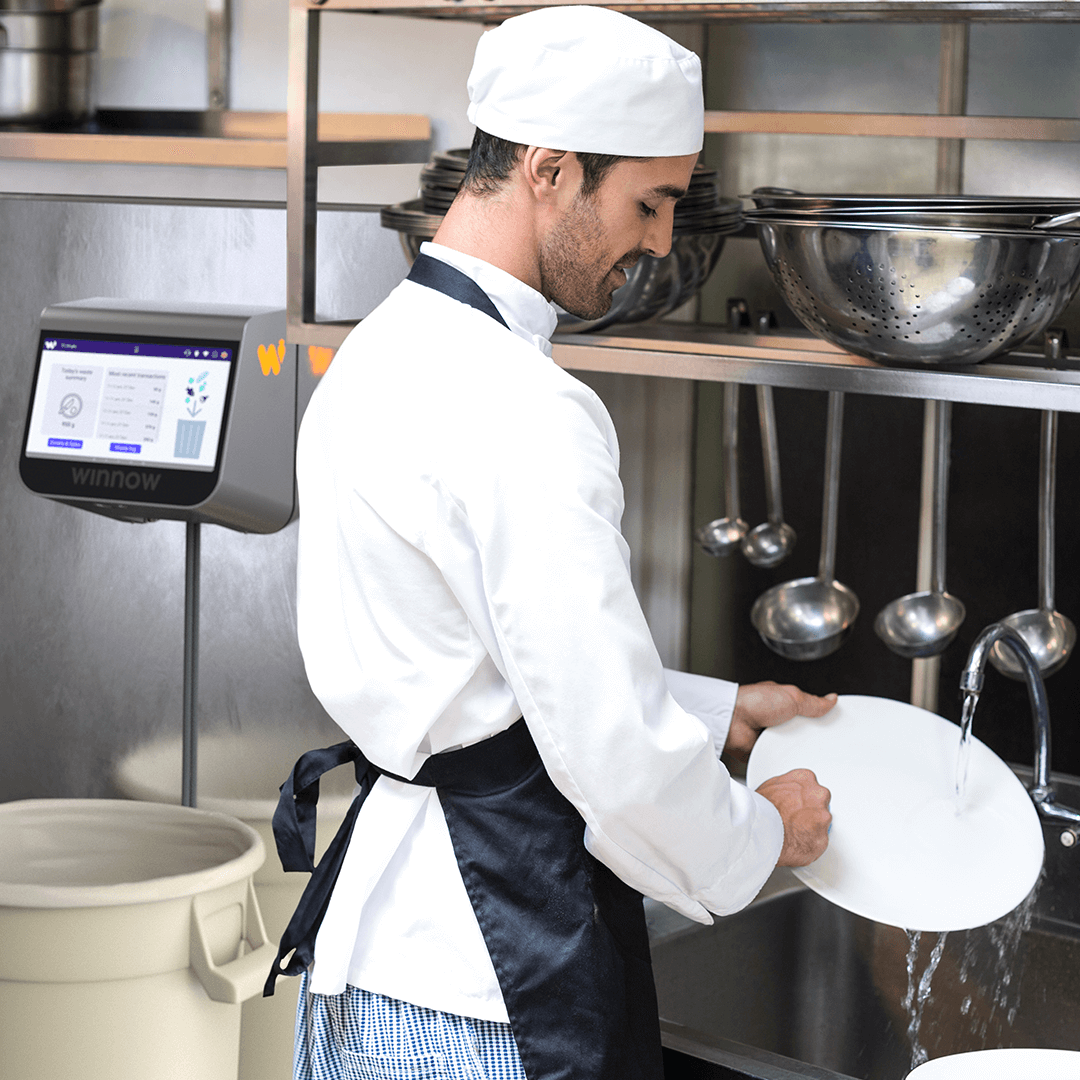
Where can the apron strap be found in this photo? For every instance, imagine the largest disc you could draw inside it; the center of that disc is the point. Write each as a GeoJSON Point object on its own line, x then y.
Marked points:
{"type": "Point", "coordinates": [294, 835]}
{"type": "Point", "coordinates": [447, 279]}
{"type": "Point", "coordinates": [478, 769]}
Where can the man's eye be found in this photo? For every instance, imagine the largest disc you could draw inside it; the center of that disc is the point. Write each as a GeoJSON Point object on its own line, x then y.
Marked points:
{"type": "Point", "coordinates": [647, 210]}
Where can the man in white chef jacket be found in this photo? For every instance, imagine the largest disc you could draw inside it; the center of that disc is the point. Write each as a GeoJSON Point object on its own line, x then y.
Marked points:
{"type": "Point", "coordinates": [461, 567]}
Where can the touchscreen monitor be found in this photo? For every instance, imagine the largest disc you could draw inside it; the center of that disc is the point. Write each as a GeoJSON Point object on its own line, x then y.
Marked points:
{"type": "Point", "coordinates": [130, 402]}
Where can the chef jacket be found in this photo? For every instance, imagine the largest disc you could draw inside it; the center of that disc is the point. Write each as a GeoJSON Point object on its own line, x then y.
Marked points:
{"type": "Point", "coordinates": [460, 565]}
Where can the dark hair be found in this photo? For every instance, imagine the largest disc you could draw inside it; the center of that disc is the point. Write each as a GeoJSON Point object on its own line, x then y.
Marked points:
{"type": "Point", "coordinates": [491, 161]}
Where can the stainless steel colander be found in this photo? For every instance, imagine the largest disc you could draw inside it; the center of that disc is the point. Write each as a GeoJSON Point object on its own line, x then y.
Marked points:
{"type": "Point", "coordinates": [918, 296]}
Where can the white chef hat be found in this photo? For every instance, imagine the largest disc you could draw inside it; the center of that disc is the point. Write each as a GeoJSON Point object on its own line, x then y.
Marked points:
{"type": "Point", "coordinates": [587, 79]}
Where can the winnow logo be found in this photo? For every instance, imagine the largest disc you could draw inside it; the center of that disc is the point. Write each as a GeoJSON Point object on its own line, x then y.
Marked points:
{"type": "Point", "coordinates": [115, 478]}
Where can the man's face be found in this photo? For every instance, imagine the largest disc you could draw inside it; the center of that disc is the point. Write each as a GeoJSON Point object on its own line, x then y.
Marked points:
{"type": "Point", "coordinates": [584, 254]}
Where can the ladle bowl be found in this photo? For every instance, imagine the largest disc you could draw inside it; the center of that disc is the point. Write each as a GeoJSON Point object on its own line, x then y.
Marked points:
{"type": "Point", "coordinates": [773, 541]}
{"type": "Point", "coordinates": [808, 618]}
{"type": "Point", "coordinates": [924, 623]}
{"type": "Point", "coordinates": [1049, 635]}
{"type": "Point", "coordinates": [920, 624]}
{"type": "Point", "coordinates": [805, 619]}
{"type": "Point", "coordinates": [768, 544]}
{"type": "Point", "coordinates": [722, 536]}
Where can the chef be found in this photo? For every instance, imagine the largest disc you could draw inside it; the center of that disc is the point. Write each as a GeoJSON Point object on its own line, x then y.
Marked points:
{"type": "Point", "coordinates": [526, 767]}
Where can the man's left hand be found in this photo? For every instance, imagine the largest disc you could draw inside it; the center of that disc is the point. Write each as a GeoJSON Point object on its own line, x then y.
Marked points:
{"type": "Point", "coordinates": [766, 704]}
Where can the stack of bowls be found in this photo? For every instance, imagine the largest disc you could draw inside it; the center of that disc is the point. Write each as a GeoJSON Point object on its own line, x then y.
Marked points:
{"type": "Point", "coordinates": [654, 286]}
{"type": "Point", "coordinates": [440, 180]}
{"type": "Point", "coordinates": [418, 219]}
{"type": "Point", "coordinates": [924, 280]}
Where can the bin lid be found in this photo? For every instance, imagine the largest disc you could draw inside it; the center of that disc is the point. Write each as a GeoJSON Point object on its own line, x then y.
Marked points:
{"type": "Point", "coordinates": [68, 853]}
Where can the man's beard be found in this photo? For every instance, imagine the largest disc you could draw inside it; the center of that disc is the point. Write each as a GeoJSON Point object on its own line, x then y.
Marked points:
{"type": "Point", "coordinates": [574, 268]}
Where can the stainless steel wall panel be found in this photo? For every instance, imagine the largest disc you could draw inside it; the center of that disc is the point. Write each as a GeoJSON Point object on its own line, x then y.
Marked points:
{"type": "Point", "coordinates": [91, 610]}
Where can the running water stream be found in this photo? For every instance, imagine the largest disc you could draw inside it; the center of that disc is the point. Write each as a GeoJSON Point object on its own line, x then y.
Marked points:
{"type": "Point", "coordinates": [919, 993]}
{"type": "Point", "coordinates": [963, 753]}
{"type": "Point", "coordinates": [988, 962]}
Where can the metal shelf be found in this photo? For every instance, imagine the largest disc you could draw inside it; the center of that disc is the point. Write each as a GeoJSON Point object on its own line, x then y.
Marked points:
{"type": "Point", "coordinates": [761, 11]}
{"type": "Point", "coordinates": [799, 361]}
{"type": "Point", "coordinates": [239, 140]}
{"type": "Point", "coordinates": [795, 360]}
{"type": "Point", "coordinates": [894, 125]}
{"type": "Point", "coordinates": [660, 351]}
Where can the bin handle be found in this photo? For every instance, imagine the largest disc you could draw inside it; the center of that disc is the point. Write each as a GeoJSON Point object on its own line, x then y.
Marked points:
{"type": "Point", "coordinates": [237, 980]}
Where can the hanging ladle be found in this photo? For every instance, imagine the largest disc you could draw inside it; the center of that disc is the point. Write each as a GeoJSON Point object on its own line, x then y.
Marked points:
{"type": "Point", "coordinates": [924, 623]}
{"type": "Point", "coordinates": [809, 618]}
{"type": "Point", "coordinates": [771, 542]}
{"type": "Point", "coordinates": [1049, 635]}
{"type": "Point", "coordinates": [724, 535]}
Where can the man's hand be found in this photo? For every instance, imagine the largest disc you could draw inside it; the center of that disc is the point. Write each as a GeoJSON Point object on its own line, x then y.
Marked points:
{"type": "Point", "coordinates": [804, 807]}
{"type": "Point", "coordinates": [766, 704]}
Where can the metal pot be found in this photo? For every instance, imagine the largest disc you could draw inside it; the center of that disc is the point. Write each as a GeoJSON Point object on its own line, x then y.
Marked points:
{"type": "Point", "coordinates": [48, 61]}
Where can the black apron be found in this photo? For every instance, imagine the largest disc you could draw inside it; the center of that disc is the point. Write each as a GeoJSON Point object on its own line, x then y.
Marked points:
{"type": "Point", "coordinates": [567, 938]}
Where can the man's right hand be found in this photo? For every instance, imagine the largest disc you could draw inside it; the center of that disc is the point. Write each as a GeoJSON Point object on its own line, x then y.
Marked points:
{"type": "Point", "coordinates": [804, 808]}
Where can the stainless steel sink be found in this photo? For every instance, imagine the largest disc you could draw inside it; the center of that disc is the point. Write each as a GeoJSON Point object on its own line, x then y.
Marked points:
{"type": "Point", "coordinates": [795, 987]}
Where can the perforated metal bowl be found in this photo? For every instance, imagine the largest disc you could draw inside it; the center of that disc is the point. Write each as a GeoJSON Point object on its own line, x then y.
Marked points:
{"type": "Point", "coordinates": [914, 296]}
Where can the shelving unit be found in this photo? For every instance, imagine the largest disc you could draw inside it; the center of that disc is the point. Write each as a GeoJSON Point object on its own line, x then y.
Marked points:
{"type": "Point", "coordinates": [666, 349]}
{"type": "Point", "coordinates": [220, 138]}
{"type": "Point", "coordinates": [698, 353]}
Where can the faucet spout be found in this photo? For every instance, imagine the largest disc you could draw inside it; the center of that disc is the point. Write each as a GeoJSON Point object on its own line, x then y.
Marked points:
{"type": "Point", "coordinates": [971, 682]}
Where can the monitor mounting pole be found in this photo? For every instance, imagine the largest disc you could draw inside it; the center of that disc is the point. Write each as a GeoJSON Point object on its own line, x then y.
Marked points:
{"type": "Point", "coordinates": [191, 663]}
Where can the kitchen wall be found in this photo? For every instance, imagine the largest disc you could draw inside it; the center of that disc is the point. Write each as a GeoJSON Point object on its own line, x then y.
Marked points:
{"type": "Point", "coordinates": [91, 609]}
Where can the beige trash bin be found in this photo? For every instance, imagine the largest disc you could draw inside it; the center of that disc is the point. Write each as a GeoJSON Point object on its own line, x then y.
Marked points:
{"type": "Point", "coordinates": [240, 775]}
{"type": "Point", "coordinates": [131, 934]}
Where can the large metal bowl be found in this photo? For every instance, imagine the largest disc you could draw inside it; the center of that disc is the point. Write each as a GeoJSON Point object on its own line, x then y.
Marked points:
{"type": "Point", "coordinates": [915, 296]}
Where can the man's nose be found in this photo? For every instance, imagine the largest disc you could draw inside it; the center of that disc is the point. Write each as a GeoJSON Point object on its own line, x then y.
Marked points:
{"type": "Point", "coordinates": [658, 236]}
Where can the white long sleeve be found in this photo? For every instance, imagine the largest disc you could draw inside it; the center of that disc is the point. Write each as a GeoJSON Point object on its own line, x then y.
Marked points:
{"type": "Point", "coordinates": [461, 565]}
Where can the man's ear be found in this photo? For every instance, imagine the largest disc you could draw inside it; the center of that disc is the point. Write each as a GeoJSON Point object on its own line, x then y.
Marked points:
{"type": "Point", "coordinates": [544, 170]}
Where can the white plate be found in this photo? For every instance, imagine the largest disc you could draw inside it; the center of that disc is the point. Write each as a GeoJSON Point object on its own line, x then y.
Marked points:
{"type": "Point", "coordinates": [902, 851]}
{"type": "Point", "coordinates": [1002, 1065]}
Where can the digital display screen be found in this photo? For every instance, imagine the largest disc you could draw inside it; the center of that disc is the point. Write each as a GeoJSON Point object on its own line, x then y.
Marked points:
{"type": "Point", "coordinates": [130, 402]}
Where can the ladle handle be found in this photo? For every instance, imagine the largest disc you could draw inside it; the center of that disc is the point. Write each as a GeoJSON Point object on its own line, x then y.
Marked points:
{"type": "Point", "coordinates": [834, 430]}
{"type": "Point", "coordinates": [1053, 342]}
{"type": "Point", "coordinates": [942, 441]}
{"type": "Point", "coordinates": [771, 451]}
{"type": "Point", "coordinates": [730, 462]}
{"type": "Point", "coordinates": [1047, 496]}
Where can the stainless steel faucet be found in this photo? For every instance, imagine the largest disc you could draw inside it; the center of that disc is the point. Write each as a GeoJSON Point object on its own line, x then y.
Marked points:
{"type": "Point", "coordinates": [971, 683]}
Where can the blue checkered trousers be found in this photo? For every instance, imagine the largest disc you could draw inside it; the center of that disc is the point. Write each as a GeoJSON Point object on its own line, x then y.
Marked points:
{"type": "Point", "coordinates": [358, 1035]}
